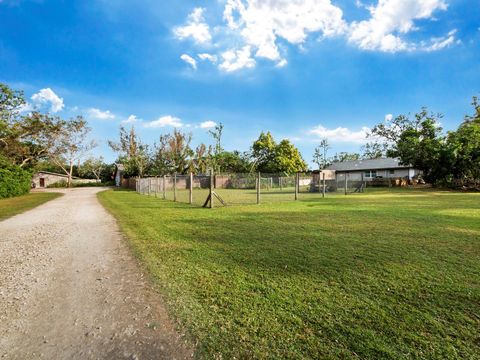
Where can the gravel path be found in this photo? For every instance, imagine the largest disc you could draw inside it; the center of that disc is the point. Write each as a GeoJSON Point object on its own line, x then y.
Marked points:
{"type": "Point", "coordinates": [69, 288]}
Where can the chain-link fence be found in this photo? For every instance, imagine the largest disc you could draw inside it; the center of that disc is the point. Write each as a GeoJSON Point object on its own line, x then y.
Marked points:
{"type": "Point", "coordinates": [248, 188]}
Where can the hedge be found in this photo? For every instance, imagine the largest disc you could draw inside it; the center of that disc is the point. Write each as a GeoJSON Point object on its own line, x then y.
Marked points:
{"type": "Point", "coordinates": [14, 181]}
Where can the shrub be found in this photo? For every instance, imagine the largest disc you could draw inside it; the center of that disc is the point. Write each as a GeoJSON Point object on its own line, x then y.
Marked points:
{"type": "Point", "coordinates": [14, 180]}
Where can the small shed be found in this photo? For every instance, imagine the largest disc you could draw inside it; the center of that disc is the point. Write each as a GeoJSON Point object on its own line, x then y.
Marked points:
{"type": "Point", "coordinates": [43, 179]}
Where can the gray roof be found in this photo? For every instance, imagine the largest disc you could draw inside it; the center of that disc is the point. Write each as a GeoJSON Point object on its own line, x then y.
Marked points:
{"type": "Point", "coordinates": [55, 174]}
{"type": "Point", "coordinates": [371, 164]}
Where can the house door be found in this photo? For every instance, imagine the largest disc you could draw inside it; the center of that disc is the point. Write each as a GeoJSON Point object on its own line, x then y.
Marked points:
{"type": "Point", "coordinates": [42, 182]}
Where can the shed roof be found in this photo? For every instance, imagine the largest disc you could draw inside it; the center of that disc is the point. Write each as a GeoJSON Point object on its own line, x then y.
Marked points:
{"type": "Point", "coordinates": [56, 174]}
{"type": "Point", "coordinates": [370, 164]}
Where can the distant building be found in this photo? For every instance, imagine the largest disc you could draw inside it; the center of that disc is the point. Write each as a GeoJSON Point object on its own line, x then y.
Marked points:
{"type": "Point", "coordinates": [43, 179]}
{"type": "Point", "coordinates": [368, 170]}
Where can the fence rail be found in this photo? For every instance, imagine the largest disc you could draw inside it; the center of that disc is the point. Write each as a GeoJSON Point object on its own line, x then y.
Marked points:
{"type": "Point", "coordinates": [238, 189]}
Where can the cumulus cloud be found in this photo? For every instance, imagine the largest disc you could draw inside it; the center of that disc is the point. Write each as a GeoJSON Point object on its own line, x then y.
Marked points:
{"type": "Point", "coordinates": [262, 23]}
{"type": "Point", "coordinates": [48, 97]}
{"type": "Point", "coordinates": [195, 28]}
{"type": "Point", "coordinates": [440, 43]}
{"type": "Point", "coordinates": [208, 124]}
{"type": "Point", "coordinates": [390, 19]}
{"type": "Point", "coordinates": [165, 121]}
{"type": "Point", "coordinates": [258, 28]}
{"type": "Point", "coordinates": [340, 134]}
{"type": "Point", "coordinates": [189, 60]}
{"type": "Point", "coordinates": [233, 60]}
{"type": "Point", "coordinates": [388, 117]}
{"type": "Point", "coordinates": [205, 56]}
{"type": "Point", "coordinates": [132, 119]}
{"type": "Point", "coordinates": [98, 114]}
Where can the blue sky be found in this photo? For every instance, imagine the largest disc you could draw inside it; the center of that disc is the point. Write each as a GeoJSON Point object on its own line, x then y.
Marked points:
{"type": "Point", "coordinates": [303, 69]}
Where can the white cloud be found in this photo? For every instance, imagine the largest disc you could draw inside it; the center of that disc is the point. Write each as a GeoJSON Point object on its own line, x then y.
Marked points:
{"type": "Point", "coordinates": [47, 96]}
{"type": "Point", "coordinates": [262, 23]}
{"type": "Point", "coordinates": [94, 113]}
{"type": "Point", "coordinates": [165, 121]}
{"type": "Point", "coordinates": [195, 28]}
{"type": "Point", "coordinates": [212, 58]}
{"type": "Point", "coordinates": [132, 119]}
{"type": "Point", "coordinates": [390, 19]}
{"type": "Point", "coordinates": [234, 60]}
{"type": "Point", "coordinates": [442, 42]}
{"type": "Point", "coordinates": [340, 134]}
{"type": "Point", "coordinates": [388, 117]}
{"type": "Point", "coordinates": [208, 124]}
{"type": "Point", "coordinates": [253, 29]}
{"type": "Point", "coordinates": [189, 60]}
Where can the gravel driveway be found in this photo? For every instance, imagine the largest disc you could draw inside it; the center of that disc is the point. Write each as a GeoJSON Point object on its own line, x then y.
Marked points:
{"type": "Point", "coordinates": [69, 288]}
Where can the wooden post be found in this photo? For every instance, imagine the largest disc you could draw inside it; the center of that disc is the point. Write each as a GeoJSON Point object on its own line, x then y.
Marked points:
{"type": "Point", "coordinates": [149, 186]}
{"type": "Point", "coordinates": [258, 188]}
{"type": "Point", "coordinates": [175, 187]}
{"type": "Point", "coordinates": [324, 185]}
{"type": "Point", "coordinates": [346, 183]}
{"type": "Point", "coordinates": [280, 183]}
{"type": "Point", "coordinates": [297, 183]}
{"type": "Point", "coordinates": [191, 188]}
{"type": "Point", "coordinates": [212, 180]}
{"type": "Point", "coordinates": [164, 187]}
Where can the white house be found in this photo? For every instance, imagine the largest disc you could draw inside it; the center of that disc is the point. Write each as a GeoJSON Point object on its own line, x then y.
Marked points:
{"type": "Point", "coordinates": [43, 179]}
{"type": "Point", "coordinates": [368, 170]}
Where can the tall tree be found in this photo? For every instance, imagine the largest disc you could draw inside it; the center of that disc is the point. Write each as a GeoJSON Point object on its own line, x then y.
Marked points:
{"type": "Point", "coordinates": [271, 157]}
{"type": "Point", "coordinates": [70, 144]}
{"type": "Point", "coordinates": [417, 142]}
{"type": "Point", "coordinates": [320, 154]}
{"type": "Point", "coordinates": [93, 166]}
{"type": "Point", "coordinates": [345, 156]}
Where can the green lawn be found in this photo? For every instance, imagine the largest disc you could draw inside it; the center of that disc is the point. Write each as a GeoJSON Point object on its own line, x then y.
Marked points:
{"type": "Point", "coordinates": [380, 275]}
{"type": "Point", "coordinates": [19, 204]}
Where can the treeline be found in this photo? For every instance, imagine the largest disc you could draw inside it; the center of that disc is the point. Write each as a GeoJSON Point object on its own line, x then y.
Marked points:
{"type": "Point", "coordinates": [30, 139]}
{"type": "Point", "coordinates": [174, 153]}
{"type": "Point", "coordinates": [446, 159]}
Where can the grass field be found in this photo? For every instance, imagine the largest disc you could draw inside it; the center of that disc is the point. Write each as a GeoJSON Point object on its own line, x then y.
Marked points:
{"type": "Point", "coordinates": [19, 204]}
{"type": "Point", "coordinates": [382, 275]}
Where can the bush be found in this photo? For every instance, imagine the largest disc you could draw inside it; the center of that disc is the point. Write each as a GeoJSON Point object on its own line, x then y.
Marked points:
{"type": "Point", "coordinates": [14, 180]}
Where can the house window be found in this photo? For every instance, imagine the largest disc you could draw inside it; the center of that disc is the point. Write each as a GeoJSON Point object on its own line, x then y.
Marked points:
{"type": "Point", "coordinates": [392, 172]}
{"type": "Point", "coordinates": [370, 173]}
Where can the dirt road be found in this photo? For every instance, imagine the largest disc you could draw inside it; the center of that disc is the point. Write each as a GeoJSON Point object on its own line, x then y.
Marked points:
{"type": "Point", "coordinates": [69, 288]}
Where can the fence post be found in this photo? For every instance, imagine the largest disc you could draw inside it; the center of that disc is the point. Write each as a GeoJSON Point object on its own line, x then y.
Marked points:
{"type": "Point", "coordinates": [191, 189]}
{"type": "Point", "coordinates": [297, 181]}
{"type": "Point", "coordinates": [212, 180]}
{"type": "Point", "coordinates": [149, 186]}
{"type": "Point", "coordinates": [164, 187]}
{"type": "Point", "coordinates": [280, 183]}
{"type": "Point", "coordinates": [346, 183]}
{"type": "Point", "coordinates": [175, 187]}
{"type": "Point", "coordinates": [323, 187]}
{"type": "Point", "coordinates": [258, 187]}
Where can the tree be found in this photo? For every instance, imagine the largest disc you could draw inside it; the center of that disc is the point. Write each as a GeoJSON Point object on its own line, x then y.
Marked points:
{"type": "Point", "coordinates": [320, 154]}
{"type": "Point", "coordinates": [69, 145]}
{"type": "Point", "coordinates": [374, 150]}
{"type": "Point", "coordinates": [93, 166]}
{"type": "Point", "coordinates": [417, 142]}
{"type": "Point", "coordinates": [173, 153]}
{"type": "Point", "coordinates": [464, 150]}
{"type": "Point", "coordinates": [271, 157]}
{"type": "Point", "coordinates": [345, 156]}
{"type": "Point", "coordinates": [133, 154]}
{"type": "Point", "coordinates": [24, 139]}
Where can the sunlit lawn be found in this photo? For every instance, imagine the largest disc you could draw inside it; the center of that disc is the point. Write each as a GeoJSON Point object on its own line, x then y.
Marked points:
{"type": "Point", "coordinates": [380, 275]}
{"type": "Point", "coordinates": [19, 204]}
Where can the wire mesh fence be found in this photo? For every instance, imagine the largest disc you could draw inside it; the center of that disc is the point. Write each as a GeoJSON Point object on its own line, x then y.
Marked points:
{"type": "Point", "coordinates": [248, 188]}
